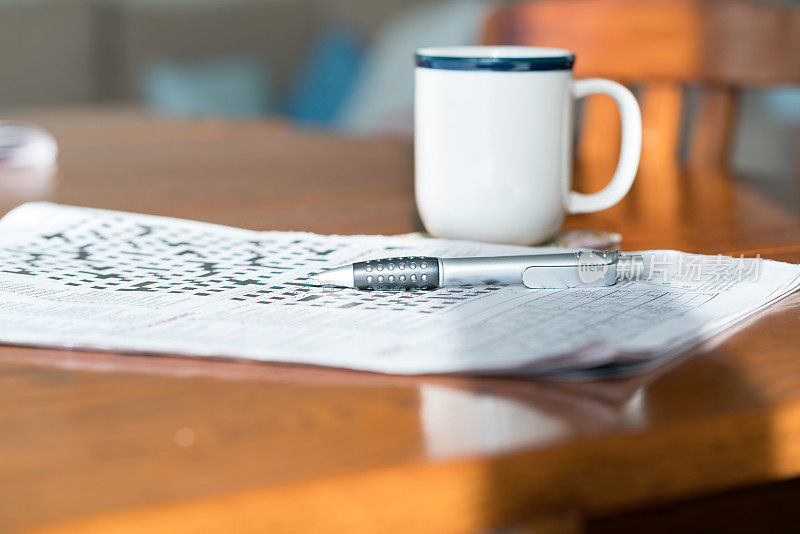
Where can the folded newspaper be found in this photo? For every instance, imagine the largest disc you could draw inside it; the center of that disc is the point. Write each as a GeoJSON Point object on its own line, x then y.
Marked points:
{"type": "Point", "coordinates": [92, 279]}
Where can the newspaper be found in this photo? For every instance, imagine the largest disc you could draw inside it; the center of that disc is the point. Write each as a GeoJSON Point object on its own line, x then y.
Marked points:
{"type": "Point", "coordinates": [102, 280]}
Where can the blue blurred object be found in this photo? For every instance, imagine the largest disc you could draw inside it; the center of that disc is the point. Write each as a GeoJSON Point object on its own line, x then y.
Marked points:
{"type": "Point", "coordinates": [230, 87]}
{"type": "Point", "coordinates": [782, 104]}
{"type": "Point", "coordinates": [326, 78]}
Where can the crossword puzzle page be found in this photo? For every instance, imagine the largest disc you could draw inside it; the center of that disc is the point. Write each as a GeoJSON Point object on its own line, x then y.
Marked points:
{"type": "Point", "coordinates": [102, 280]}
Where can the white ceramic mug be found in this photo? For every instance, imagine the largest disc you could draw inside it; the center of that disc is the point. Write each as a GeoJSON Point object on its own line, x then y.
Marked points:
{"type": "Point", "coordinates": [493, 142]}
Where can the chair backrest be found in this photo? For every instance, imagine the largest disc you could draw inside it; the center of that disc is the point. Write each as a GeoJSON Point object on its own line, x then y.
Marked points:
{"type": "Point", "coordinates": [660, 47]}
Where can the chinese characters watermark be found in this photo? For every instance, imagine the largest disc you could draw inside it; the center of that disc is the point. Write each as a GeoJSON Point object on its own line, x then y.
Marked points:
{"type": "Point", "coordinates": [696, 268]}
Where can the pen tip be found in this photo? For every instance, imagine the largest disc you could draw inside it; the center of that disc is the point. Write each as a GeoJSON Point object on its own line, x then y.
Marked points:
{"type": "Point", "coordinates": [338, 277]}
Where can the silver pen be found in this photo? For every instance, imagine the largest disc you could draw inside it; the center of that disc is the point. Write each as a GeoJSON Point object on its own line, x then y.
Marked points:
{"type": "Point", "coordinates": [561, 270]}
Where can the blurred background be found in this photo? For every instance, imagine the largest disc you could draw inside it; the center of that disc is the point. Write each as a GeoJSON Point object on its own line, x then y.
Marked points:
{"type": "Point", "coordinates": [343, 65]}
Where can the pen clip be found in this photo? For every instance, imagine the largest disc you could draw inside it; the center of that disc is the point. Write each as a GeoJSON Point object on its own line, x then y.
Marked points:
{"type": "Point", "coordinates": [583, 269]}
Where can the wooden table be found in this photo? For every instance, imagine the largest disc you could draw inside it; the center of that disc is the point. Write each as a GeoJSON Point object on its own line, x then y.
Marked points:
{"type": "Point", "coordinates": [94, 442]}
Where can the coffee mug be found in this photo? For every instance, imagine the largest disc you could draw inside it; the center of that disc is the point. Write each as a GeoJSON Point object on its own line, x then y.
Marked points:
{"type": "Point", "coordinates": [493, 142]}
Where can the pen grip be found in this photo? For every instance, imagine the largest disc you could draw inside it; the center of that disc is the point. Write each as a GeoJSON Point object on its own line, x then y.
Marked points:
{"type": "Point", "coordinates": [410, 272]}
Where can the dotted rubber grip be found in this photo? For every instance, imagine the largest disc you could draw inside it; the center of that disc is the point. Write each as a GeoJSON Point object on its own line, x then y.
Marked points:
{"type": "Point", "coordinates": [410, 272]}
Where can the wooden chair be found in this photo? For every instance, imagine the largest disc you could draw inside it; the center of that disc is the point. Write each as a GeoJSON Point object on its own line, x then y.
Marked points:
{"type": "Point", "coordinates": [659, 48]}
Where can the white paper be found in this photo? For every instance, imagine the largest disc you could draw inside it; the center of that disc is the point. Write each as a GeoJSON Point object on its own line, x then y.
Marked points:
{"type": "Point", "coordinates": [93, 279]}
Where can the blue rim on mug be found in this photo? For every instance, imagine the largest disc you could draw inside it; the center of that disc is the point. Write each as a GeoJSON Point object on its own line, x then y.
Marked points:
{"type": "Point", "coordinates": [495, 58]}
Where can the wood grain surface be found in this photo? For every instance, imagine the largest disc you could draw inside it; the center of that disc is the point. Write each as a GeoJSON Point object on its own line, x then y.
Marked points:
{"type": "Point", "coordinates": [101, 442]}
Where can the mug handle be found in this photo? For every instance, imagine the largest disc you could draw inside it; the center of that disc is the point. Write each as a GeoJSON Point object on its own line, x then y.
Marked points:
{"type": "Point", "coordinates": [630, 147]}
